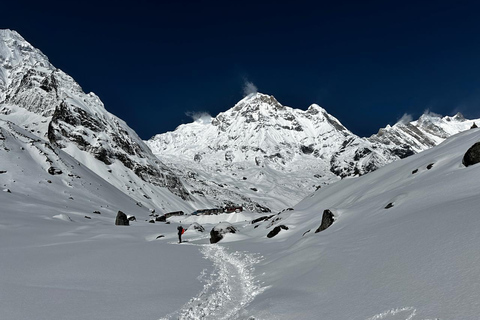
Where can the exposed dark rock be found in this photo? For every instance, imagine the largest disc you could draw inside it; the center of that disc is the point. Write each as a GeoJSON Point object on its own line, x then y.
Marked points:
{"type": "Point", "coordinates": [305, 233]}
{"type": "Point", "coordinates": [403, 152]}
{"type": "Point", "coordinates": [3, 171]}
{"type": "Point", "coordinates": [430, 166]}
{"type": "Point", "coordinates": [54, 171]}
{"type": "Point", "coordinates": [97, 212]}
{"type": "Point", "coordinates": [472, 156]}
{"type": "Point", "coordinates": [161, 218]}
{"type": "Point", "coordinates": [474, 126]}
{"type": "Point", "coordinates": [160, 236]}
{"type": "Point", "coordinates": [388, 206]}
{"type": "Point", "coordinates": [132, 218]}
{"type": "Point", "coordinates": [121, 219]}
{"type": "Point", "coordinates": [414, 171]}
{"type": "Point", "coordinates": [306, 149]}
{"type": "Point", "coordinates": [151, 221]}
{"type": "Point", "coordinates": [276, 230]}
{"type": "Point", "coordinates": [7, 190]}
{"type": "Point", "coordinates": [87, 217]}
{"type": "Point", "coordinates": [327, 220]}
{"type": "Point", "coordinates": [219, 230]}
{"type": "Point", "coordinates": [254, 189]}
{"type": "Point", "coordinates": [262, 219]}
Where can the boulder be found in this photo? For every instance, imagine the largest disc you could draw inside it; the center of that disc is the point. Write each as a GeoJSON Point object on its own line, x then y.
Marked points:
{"type": "Point", "coordinates": [161, 218]}
{"type": "Point", "coordinates": [197, 226]}
{"type": "Point", "coordinates": [276, 230]}
{"type": "Point", "coordinates": [121, 219]}
{"type": "Point", "coordinates": [54, 171]}
{"type": "Point", "coordinates": [220, 230]}
{"type": "Point", "coordinates": [472, 156]}
{"type": "Point", "coordinates": [131, 218]}
{"type": "Point", "coordinates": [327, 220]}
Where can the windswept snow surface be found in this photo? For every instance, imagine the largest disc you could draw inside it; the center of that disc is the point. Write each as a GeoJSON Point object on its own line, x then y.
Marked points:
{"type": "Point", "coordinates": [416, 260]}
{"type": "Point", "coordinates": [227, 290]}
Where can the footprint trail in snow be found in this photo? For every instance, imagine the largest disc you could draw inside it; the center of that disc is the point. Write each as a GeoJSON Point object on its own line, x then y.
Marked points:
{"type": "Point", "coordinates": [227, 290]}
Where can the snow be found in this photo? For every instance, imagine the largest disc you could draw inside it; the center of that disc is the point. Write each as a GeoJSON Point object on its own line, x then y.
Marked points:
{"type": "Point", "coordinates": [62, 257]}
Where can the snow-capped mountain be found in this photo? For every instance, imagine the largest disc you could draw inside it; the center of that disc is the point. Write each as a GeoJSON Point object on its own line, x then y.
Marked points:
{"type": "Point", "coordinates": [277, 155]}
{"type": "Point", "coordinates": [428, 131]}
{"type": "Point", "coordinates": [51, 105]}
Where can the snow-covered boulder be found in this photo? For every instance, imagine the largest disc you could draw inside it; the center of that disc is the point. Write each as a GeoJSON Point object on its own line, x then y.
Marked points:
{"type": "Point", "coordinates": [219, 230]}
{"type": "Point", "coordinates": [196, 226]}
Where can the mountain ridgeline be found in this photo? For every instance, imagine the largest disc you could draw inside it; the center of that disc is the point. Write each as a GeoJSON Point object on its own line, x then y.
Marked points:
{"type": "Point", "coordinates": [259, 154]}
{"type": "Point", "coordinates": [278, 155]}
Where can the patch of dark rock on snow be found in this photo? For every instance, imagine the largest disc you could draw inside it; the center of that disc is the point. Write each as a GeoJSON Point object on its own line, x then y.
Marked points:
{"type": "Point", "coordinates": [131, 218]}
{"type": "Point", "coordinates": [160, 236]}
{"type": "Point", "coordinates": [220, 230]}
{"type": "Point", "coordinates": [430, 166]}
{"type": "Point", "coordinates": [7, 190]}
{"type": "Point", "coordinates": [54, 171]}
{"type": "Point", "coordinates": [414, 171]}
{"type": "Point", "coordinates": [3, 171]}
{"type": "Point", "coordinates": [87, 217]}
{"type": "Point", "coordinates": [327, 220]}
{"type": "Point", "coordinates": [474, 126]}
{"type": "Point", "coordinates": [97, 212]}
{"type": "Point", "coordinates": [472, 156]}
{"type": "Point", "coordinates": [307, 149]}
{"type": "Point", "coordinates": [388, 206]}
{"type": "Point", "coordinates": [262, 219]}
{"type": "Point", "coordinates": [161, 218]}
{"type": "Point", "coordinates": [121, 219]}
{"type": "Point", "coordinates": [276, 230]}
{"type": "Point", "coordinates": [151, 221]}
{"type": "Point", "coordinates": [303, 235]}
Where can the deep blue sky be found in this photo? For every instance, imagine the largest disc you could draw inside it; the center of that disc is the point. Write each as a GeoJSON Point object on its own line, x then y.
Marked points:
{"type": "Point", "coordinates": [366, 62]}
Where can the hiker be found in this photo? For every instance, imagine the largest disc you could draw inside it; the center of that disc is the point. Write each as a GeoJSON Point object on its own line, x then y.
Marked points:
{"type": "Point", "coordinates": [180, 232]}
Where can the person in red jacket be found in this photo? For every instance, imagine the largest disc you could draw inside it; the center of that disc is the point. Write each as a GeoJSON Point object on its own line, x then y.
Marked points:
{"type": "Point", "coordinates": [180, 232]}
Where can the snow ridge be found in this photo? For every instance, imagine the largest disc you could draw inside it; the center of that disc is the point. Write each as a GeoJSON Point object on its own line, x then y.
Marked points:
{"type": "Point", "coordinates": [228, 289]}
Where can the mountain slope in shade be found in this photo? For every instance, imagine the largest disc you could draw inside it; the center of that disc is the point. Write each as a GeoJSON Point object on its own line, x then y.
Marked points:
{"type": "Point", "coordinates": [277, 155]}
{"type": "Point", "coordinates": [50, 104]}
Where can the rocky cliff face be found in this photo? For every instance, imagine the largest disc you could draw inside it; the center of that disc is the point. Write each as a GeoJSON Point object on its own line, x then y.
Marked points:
{"type": "Point", "coordinates": [46, 101]}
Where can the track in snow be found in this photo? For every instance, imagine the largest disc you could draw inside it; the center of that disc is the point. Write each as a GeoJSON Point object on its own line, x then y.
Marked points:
{"type": "Point", "coordinates": [227, 290]}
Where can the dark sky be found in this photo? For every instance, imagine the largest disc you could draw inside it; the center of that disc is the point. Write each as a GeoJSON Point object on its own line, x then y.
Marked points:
{"type": "Point", "coordinates": [366, 62]}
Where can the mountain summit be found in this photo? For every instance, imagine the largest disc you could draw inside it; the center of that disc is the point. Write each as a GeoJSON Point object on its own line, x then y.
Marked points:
{"type": "Point", "coordinates": [277, 155]}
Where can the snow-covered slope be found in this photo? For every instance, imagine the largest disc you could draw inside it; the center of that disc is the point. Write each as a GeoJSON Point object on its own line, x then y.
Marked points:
{"type": "Point", "coordinates": [276, 155]}
{"type": "Point", "coordinates": [403, 244]}
{"type": "Point", "coordinates": [51, 105]}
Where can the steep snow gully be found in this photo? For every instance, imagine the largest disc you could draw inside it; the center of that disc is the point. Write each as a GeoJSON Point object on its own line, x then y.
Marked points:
{"type": "Point", "coordinates": [228, 289]}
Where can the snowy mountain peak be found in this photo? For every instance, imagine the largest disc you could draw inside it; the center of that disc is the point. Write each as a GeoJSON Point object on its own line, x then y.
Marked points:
{"type": "Point", "coordinates": [47, 102]}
